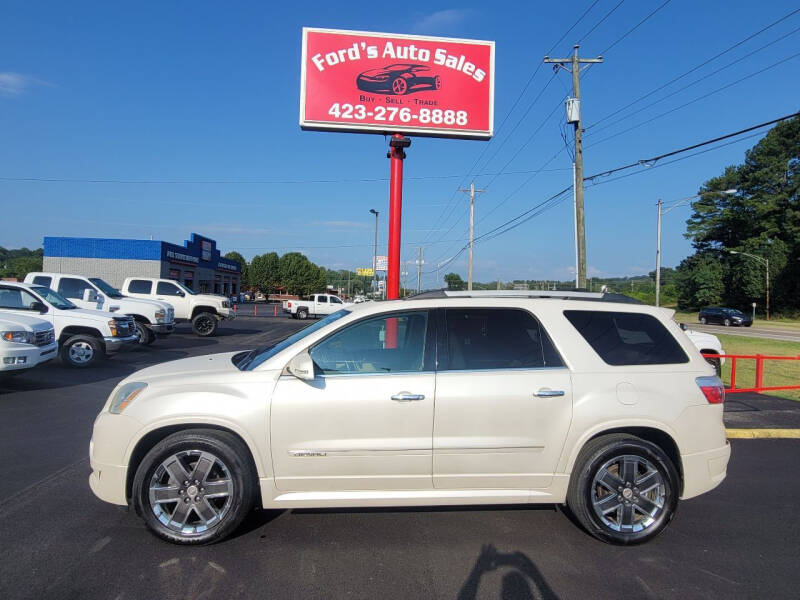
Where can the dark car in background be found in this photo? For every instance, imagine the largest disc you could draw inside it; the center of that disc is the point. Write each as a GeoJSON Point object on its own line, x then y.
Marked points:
{"type": "Point", "coordinates": [398, 79]}
{"type": "Point", "coordinates": [724, 316]}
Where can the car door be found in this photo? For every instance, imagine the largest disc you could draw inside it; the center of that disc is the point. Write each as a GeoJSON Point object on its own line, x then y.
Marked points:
{"type": "Point", "coordinates": [73, 289]}
{"type": "Point", "coordinates": [169, 292]}
{"type": "Point", "coordinates": [503, 401]}
{"type": "Point", "coordinates": [320, 305]}
{"type": "Point", "coordinates": [364, 422]}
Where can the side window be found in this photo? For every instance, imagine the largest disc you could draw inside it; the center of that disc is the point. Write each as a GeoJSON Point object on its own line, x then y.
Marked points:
{"type": "Point", "coordinates": [621, 338]}
{"type": "Point", "coordinates": [488, 338]}
{"type": "Point", "coordinates": [387, 344]}
{"type": "Point", "coordinates": [16, 298]}
{"type": "Point", "coordinates": [140, 286]}
{"type": "Point", "coordinates": [167, 289]}
{"type": "Point", "coordinates": [43, 280]}
{"type": "Point", "coordinates": [322, 299]}
{"type": "Point", "coordinates": [335, 300]}
{"type": "Point", "coordinates": [72, 288]}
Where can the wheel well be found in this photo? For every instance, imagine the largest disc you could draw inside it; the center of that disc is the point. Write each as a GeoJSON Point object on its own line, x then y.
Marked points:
{"type": "Point", "coordinates": [68, 332]}
{"type": "Point", "coordinates": [150, 439]}
{"type": "Point", "coordinates": [709, 351]}
{"type": "Point", "coordinates": [139, 318]}
{"type": "Point", "coordinates": [202, 309]}
{"type": "Point", "coordinates": [656, 436]}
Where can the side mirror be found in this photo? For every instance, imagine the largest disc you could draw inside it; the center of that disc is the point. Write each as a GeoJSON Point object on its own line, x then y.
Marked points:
{"type": "Point", "coordinates": [302, 367]}
{"type": "Point", "coordinates": [38, 307]}
{"type": "Point", "coordinates": [181, 294]}
{"type": "Point", "coordinates": [90, 295]}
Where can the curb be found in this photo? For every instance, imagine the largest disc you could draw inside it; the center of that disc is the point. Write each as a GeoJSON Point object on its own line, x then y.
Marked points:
{"type": "Point", "coordinates": [750, 434]}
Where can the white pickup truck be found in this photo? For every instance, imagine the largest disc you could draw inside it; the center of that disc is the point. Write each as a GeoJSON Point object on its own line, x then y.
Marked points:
{"type": "Point", "coordinates": [84, 336]}
{"type": "Point", "coordinates": [25, 342]}
{"type": "Point", "coordinates": [316, 305]}
{"type": "Point", "coordinates": [205, 311]}
{"type": "Point", "coordinates": [152, 318]}
{"type": "Point", "coordinates": [706, 343]}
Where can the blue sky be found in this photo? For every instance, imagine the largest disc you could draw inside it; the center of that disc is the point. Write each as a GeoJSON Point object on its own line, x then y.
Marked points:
{"type": "Point", "coordinates": [208, 92]}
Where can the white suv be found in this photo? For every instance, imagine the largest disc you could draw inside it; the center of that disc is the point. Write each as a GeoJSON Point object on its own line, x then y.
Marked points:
{"type": "Point", "coordinates": [459, 398]}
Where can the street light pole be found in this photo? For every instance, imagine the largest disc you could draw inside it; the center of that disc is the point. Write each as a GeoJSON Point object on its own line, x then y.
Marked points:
{"type": "Point", "coordinates": [763, 261]}
{"type": "Point", "coordinates": [375, 251]}
{"type": "Point", "coordinates": [661, 212]}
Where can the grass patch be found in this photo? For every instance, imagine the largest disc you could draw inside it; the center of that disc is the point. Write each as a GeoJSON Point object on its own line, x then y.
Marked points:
{"type": "Point", "coordinates": [776, 372]}
{"type": "Point", "coordinates": [774, 323]}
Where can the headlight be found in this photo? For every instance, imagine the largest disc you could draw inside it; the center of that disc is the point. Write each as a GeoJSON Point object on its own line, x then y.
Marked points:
{"type": "Point", "coordinates": [160, 315]}
{"type": "Point", "coordinates": [112, 325]}
{"type": "Point", "coordinates": [124, 395]}
{"type": "Point", "coordinates": [226, 304]}
{"type": "Point", "coordinates": [18, 337]}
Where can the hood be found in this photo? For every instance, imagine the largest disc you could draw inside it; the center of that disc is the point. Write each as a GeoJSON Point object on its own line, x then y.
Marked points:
{"type": "Point", "coordinates": [92, 315]}
{"type": "Point", "coordinates": [209, 298]}
{"type": "Point", "coordinates": [140, 302]}
{"type": "Point", "coordinates": [27, 323]}
{"type": "Point", "coordinates": [194, 369]}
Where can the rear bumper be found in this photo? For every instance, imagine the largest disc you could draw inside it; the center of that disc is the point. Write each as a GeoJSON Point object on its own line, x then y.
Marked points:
{"type": "Point", "coordinates": [703, 471]}
{"type": "Point", "coordinates": [118, 344]}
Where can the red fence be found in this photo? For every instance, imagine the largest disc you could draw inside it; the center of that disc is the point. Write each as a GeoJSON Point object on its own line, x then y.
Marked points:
{"type": "Point", "coordinates": [760, 360]}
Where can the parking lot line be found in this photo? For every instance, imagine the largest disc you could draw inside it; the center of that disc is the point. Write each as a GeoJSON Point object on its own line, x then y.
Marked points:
{"type": "Point", "coordinates": [763, 433]}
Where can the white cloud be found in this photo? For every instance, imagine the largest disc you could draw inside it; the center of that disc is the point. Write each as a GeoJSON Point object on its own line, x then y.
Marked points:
{"type": "Point", "coordinates": [441, 20]}
{"type": "Point", "coordinates": [14, 84]}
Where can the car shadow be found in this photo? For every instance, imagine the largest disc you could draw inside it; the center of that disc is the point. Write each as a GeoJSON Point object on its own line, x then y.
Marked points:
{"type": "Point", "coordinates": [522, 579]}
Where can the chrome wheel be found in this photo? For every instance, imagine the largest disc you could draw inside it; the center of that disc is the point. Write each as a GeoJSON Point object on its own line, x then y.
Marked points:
{"type": "Point", "coordinates": [191, 491]}
{"type": "Point", "coordinates": [628, 493]}
{"type": "Point", "coordinates": [81, 353]}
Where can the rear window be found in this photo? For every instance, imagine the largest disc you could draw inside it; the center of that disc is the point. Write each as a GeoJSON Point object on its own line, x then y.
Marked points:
{"type": "Point", "coordinates": [140, 286]}
{"type": "Point", "coordinates": [622, 338]}
{"type": "Point", "coordinates": [43, 280]}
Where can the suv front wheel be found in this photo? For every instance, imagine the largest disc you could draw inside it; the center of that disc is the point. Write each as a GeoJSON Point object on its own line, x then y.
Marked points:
{"type": "Point", "coordinates": [624, 490]}
{"type": "Point", "coordinates": [195, 486]}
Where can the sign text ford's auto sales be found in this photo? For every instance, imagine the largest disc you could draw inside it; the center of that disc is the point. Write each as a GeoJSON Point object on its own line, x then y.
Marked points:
{"type": "Point", "coordinates": [381, 82]}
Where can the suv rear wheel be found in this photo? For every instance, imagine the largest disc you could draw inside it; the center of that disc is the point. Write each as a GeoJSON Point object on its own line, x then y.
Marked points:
{"type": "Point", "coordinates": [624, 490]}
{"type": "Point", "coordinates": [195, 486]}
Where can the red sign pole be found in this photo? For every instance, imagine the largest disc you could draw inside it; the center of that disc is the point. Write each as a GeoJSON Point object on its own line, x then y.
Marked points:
{"type": "Point", "coordinates": [396, 154]}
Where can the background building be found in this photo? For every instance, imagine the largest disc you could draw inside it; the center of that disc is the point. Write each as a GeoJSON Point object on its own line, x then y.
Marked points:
{"type": "Point", "coordinates": [197, 264]}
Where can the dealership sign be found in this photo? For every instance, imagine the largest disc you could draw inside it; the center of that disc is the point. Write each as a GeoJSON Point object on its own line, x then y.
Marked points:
{"type": "Point", "coordinates": [384, 83]}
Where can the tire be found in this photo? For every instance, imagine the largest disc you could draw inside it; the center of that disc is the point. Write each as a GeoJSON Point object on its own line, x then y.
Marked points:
{"type": "Point", "coordinates": [223, 461]}
{"type": "Point", "coordinates": [399, 86]}
{"type": "Point", "coordinates": [204, 324]}
{"type": "Point", "coordinates": [81, 351]}
{"type": "Point", "coordinates": [716, 363]}
{"type": "Point", "coordinates": [600, 510]}
{"type": "Point", "coordinates": [302, 315]}
{"type": "Point", "coordinates": [727, 322]}
{"type": "Point", "coordinates": [703, 320]}
{"type": "Point", "coordinates": [144, 335]}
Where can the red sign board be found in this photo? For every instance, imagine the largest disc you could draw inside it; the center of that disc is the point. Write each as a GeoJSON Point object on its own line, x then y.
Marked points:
{"type": "Point", "coordinates": [384, 83]}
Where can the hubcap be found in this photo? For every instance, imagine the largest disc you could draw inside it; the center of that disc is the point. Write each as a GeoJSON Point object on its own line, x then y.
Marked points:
{"type": "Point", "coordinates": [204, 325]}
{"type": "Point", "coordinates": [81, 352]}
{"type": "Point", "coordinates": [191, 492]}
{"type": "Point", "coordinates": [628, 493]}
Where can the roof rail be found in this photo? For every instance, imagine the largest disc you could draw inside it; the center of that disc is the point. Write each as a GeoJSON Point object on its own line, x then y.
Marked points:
{"type": "Point", "coordinates": [557, 294]}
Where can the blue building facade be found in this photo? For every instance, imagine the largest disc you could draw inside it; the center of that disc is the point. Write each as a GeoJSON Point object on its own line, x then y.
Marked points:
{"type": "Point", "coordinates": [198, 263]}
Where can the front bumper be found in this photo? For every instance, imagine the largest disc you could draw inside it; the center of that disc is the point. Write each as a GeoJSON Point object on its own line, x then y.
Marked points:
{"type": "Point", "coordinates": [108, 482]}
{"type": "Point", "coordinates": [703, 471]}
{"type": "Point", "coordinates": [118, 344]}
{"type": "Point", "coordinates": [226, 313]}
{"type": "Point", "coordinates": [162, 328]}
{"type": "Point", "coordinates": [26, 356]}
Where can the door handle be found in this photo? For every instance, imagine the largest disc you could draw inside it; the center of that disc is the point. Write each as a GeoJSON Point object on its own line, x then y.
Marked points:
{"type": "Point", "coordinates": [547, 393]}
{"type": "Point", "coordinates": [407, 397]}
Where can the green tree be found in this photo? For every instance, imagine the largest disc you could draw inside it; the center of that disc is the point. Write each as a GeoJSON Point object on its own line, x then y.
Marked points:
{"type": "Point", "coordinates": [454, 281]}
{"type": "Point", "coordinates": [16, 263]}
{"type": "Point", "coordinates": [700, 281]}
{"type": "Point", "coordinates": [299, 275]}
{"type": "Point", "coordinates": [264, 272]}
{"type": "Point", "coordinates": [240, 259]}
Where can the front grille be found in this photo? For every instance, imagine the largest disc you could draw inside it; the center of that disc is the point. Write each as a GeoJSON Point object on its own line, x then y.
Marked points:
{"type": "Point", "coordinates": [44, 338]}
{"type": "Point", "coordinates": [170, 314]}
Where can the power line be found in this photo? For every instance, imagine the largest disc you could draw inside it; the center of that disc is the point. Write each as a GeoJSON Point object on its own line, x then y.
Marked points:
{"type": "Point", "coordinates": [600, 22]}
{"type": "Point", "coordinates": [696, 81]}
{"type": "Point", "coordinates": [695, 68]}
{"type": "Point", "coordinates": [635, 27]}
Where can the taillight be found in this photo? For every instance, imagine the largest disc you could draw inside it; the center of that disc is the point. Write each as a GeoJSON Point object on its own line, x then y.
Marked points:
{"type": "Point", "coordinates": [712, 389]}
{"type": "Point", "coordinates": [289, 305]}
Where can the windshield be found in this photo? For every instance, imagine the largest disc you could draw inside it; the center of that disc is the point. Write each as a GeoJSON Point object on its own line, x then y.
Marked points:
{"type": "Point", "coordinates": [184, 288]}
{"type": "Point", "coordinates": [258, 356]}
{"type": "Point", "coordinates": [105, 288]}
{"type": "Point", "coordinates": [54, 298]}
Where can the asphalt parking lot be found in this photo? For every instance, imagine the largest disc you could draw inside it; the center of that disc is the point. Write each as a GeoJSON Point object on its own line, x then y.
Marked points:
{"type": "Point", "coordinates": [58, 541]}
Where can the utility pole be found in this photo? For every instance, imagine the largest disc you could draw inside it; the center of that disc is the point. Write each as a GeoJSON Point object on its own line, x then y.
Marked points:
{"type": "Point", "coordinates": [375, 253]}
{"type": "Point", "coordinates": [419, 269]}
{"type": "Point", "coordinates": [574, 117]}
{"type": "Point", "coordinates": [660, 205]}
{"type": "Point", "coordinates": [472, 192]}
